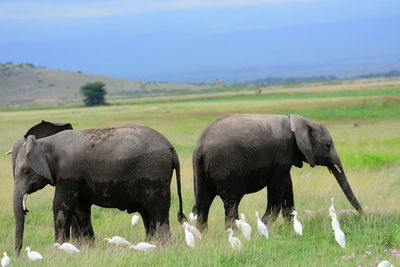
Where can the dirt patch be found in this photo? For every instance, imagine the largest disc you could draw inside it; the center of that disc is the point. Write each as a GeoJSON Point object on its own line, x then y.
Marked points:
{"type": "Point", "coordinates": [97, 136]}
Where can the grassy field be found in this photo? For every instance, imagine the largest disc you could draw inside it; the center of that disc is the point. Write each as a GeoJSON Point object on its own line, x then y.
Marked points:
{"type": "Point", "coordinates": [364, 121]}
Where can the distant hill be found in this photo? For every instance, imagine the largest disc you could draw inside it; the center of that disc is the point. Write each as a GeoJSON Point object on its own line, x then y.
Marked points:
{"type": "Point", "coordinates": [26, 85]}
{"type": "Point", "coordinates": [278, 80]}
{"type": "Point", "coordinates": [389, 74]}
{"type": "Point", "coordinates": [29, 85]}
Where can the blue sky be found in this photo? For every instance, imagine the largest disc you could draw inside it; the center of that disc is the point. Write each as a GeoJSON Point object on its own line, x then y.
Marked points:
{"type": "Point", "coordinates": [193, 41]}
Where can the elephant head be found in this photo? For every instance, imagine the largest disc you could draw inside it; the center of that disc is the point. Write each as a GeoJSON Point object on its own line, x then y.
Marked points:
{"type": "Point", "coordinates": [316, 145]}
{"type": "Point", "coordinates": [28, 177]}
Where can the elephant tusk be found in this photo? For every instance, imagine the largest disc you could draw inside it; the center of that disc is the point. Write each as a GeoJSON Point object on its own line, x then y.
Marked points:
{"type": "Point", "coordinates": [337, 168]}
{"type": "Point", "coordinates": [8, 152]}
{"type": "Point", "coordinates": [24, 197]}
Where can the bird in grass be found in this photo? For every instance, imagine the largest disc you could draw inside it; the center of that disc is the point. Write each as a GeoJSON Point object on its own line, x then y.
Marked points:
{"type": "Point", "coordinates": [192, 217]}
{"type": "Point", "coordinates": [234, 241]}
{"type": "Point", "coordinates": [5, 261]}
{"type": "Point", "coordinates": [332, 207]}
{"type": "Point", "coordinates": [193, 230]}
{"type": "Point", "coordinates": [298, 228]}
{"type": "Point", "coordinates": [335, 222]}
{"type": "Point", "coordinates": [245, 228]}
{"type": "Point", "coordinates": [67, 247]}
{"type": "Point", "coordinates": [143, 246]}
{"type": "Point", "coordinates": [261, 227]}
{"type": "Point", "coordinates": [189, 237]}
{"type": "Point", "coordinates": [339, 237]}
{"type": "Point", "coordinates": [385, 264]}
{"type": "Point", "coordinates": [242, 217]}
{"type": "Point", "coordinates": [135, 220]}
{"type": "Point", "coordinates": [117, 240]}
{"type": "Point", "coordinates": [33, 255]}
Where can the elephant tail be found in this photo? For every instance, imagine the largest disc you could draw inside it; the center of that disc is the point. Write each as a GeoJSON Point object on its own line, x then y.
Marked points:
{"type": "Point", "coordinates": [181, 216]}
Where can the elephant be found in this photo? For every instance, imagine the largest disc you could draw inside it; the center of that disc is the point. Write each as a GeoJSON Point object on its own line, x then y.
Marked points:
{"type": "Point", "coordinates": [128, 167]}
{"type": "Point", "coordinates": [239, 154]}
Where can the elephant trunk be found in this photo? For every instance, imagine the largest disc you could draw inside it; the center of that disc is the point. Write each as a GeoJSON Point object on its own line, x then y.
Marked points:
{"type": "Point", "coordinates": [336, 168]}
{"type": "Point", "coordinates": [19, 213]}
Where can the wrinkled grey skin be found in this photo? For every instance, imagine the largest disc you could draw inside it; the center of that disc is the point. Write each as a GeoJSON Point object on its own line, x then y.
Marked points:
{"type": "Point", "coordinates": [128, 167]}
{"type": "Point", "coordinates": [240, 154]}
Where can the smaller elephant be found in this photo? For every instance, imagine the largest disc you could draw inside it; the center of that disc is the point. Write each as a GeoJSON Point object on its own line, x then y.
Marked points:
{"type": "Point", "coordinates": [128, 167]}
{"type": "Point", "coordinates": [240, 154]}
{"type": "Point", "coordinates": [81, 225]}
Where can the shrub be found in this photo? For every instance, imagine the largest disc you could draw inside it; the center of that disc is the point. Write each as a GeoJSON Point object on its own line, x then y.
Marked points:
{"type": "Point", "coordinates": [94, 94]}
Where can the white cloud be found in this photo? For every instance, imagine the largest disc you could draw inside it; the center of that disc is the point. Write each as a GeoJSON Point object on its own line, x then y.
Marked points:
{"type": "Point", "coordinates": [12, 9]}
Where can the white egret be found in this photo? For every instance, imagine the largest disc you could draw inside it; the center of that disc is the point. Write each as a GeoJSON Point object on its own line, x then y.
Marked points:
{"type": "Point", "coordinates": [143, 246]}
{"type": "Point", "coordinates": [193, 230]}
{"type": "Point", "coordinates": [335, 222]}
{"type": "Point", "coordinates": [135, 220]}
{"type": "Point", "coordinates": [245, 228]}
{"type": "Point", "coordinates": [67, 247]}
{"type": "Point", "coordinates": [261, 227]}
{"type": "Point", "coordinates": [189, 237]}
{"type": "Point", "coordinates": [234, 241]}
{"type": "Point", "coordinates": [33, 255]}
{"type": "Point", "coordinates": [332, 207]}
{"type": "Point", "coordinates": [339, 237]}
{"type": "Point", "coordinates": [192, 217]}
{"type": "Point", "coordinates": [117, 240]}
{"type": "Point", "coordinates": [298, 228]}
{"type": "Point", "coordinates": [5, 261]}
{"type": "Point", "coordinates": [385, 264]}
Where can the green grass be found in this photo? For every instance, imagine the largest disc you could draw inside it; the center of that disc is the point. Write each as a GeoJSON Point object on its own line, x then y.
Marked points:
{"type": "Point", "coordinates": [364, 122]}
{"type": "Point", "coordinates": [246, 95]}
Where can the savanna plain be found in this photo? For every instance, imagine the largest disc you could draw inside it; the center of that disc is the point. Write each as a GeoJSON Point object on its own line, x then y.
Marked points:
{"type": "Point", "coordinates": [363, 118]}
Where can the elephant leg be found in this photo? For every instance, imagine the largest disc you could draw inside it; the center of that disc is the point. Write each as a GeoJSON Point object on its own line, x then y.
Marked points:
{"type": "Point", "coordinates": [204, 199]}
{"type": "Point", "coordinates": [64, 202]}
{"type": "Point", "coordinates": [231, 207]}
{"type": "Point", "coordinates": [146, 223]}
{"type": "Point", "coordinates": [276, 187]}
{"type": "Point", "coordinates": [81, 224]}
{"type": "Point", "coordinates": [288, 202]}
{"type": "Point", "coordinates": [160, 220]}
{"type": "Point", "coordinates": [155, 214]}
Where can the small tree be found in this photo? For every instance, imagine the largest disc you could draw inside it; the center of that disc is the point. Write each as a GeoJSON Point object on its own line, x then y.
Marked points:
{"type": "Point", "coordinates": [94, 94]}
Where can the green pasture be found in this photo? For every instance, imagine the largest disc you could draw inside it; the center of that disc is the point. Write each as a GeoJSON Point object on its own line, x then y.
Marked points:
{"type": "Point", "coordinates": [364, 121]}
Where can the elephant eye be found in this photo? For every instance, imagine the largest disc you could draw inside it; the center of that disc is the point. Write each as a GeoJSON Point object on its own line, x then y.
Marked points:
{"type": "Point", "coordinates": [329, 145]}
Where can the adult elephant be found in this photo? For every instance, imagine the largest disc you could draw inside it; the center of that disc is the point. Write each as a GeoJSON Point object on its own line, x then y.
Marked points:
{"type": "Point", "coordinates": [128, 167]}
{"type": "Point", "coordinates": [239, 154]}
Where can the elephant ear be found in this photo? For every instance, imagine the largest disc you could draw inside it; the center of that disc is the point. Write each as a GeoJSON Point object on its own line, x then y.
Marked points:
{"type": "Point", "coordinates": [37, 158]}
{"type": "Point", "coordinates": [46, 128]}
{"type": "Point", "coordinates": [301, 128]}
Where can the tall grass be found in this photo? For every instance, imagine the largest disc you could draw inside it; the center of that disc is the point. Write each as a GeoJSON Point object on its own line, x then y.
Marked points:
{"type": "Point", "coordinates": [366, 134]}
